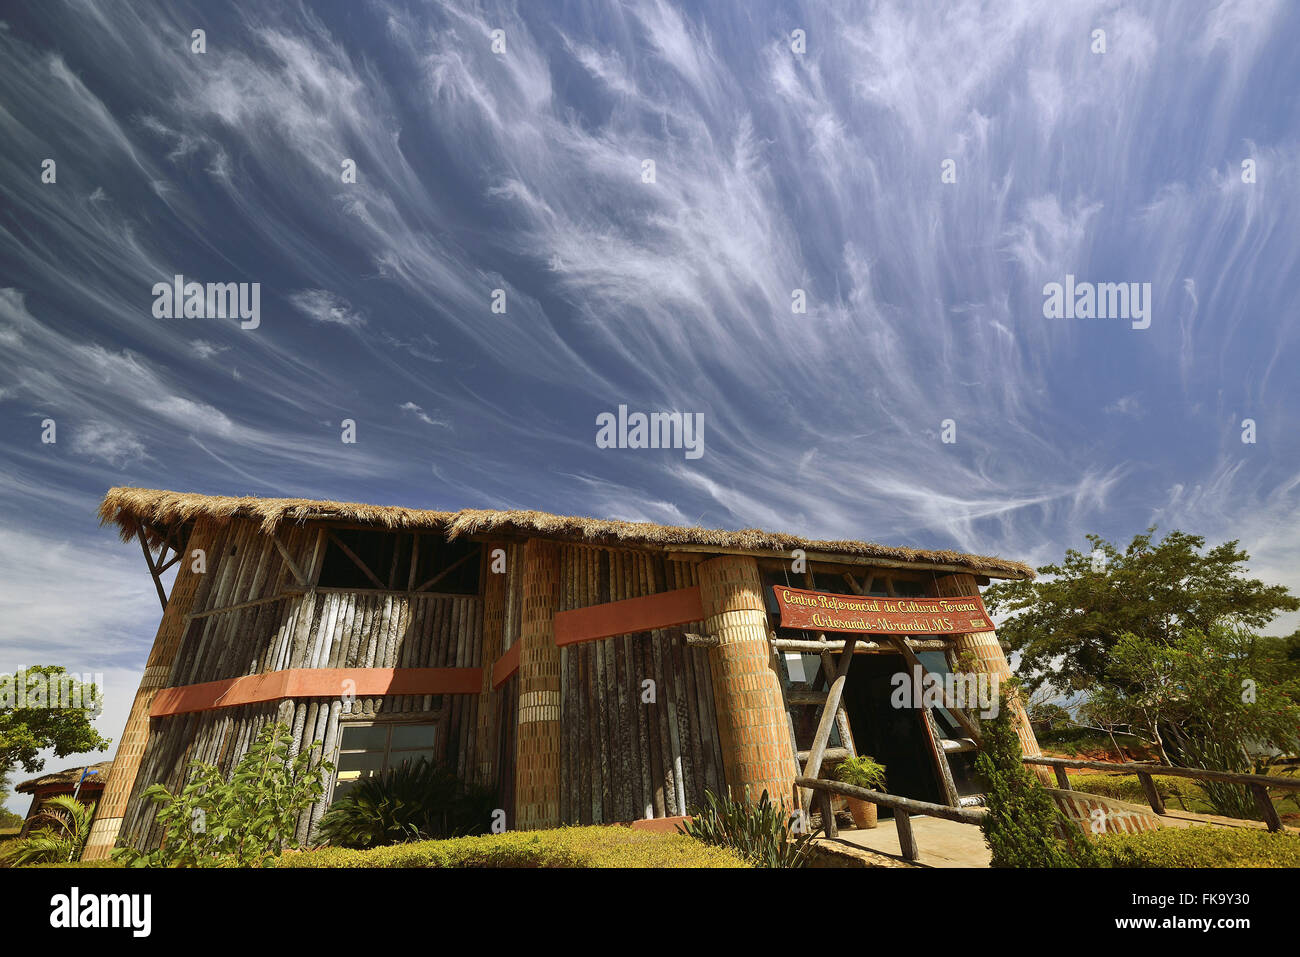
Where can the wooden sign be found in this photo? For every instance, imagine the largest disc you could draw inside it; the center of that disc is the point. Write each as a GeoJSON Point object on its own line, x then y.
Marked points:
{"type": "Point", "coordinates": [825, 611]}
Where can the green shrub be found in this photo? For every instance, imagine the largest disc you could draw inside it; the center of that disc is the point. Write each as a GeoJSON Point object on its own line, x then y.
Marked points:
{"type": "Point", "coordinates": [1199, 847]}
{"type": "Point", "coordinates": [242, 822]}
{"type": "Point", "coordinates": [62, 825]}
{"type": "Point", "coordinates": [863, 772]}
{"type": "Point", "coordinates": [1023, 826]}
{"type": "Point", "coordinates": [764, 834]}
{"type": "Point", "coordinates": [568, 847]}
{"type": "Point", "coordinates": [1128, 787]}
{"type": "Point", "coordinates": [419, 801]}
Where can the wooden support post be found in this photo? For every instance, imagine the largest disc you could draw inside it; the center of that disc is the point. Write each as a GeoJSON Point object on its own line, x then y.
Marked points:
{"type": "Point", "coordinates": [1148, 785]}
{"type": "Point", "coordinates": [448, 570]}
{"type": "Point", "coordinates": [153, 569]}
{"type": "Point", "coordinates": [829, 824]}
{"type": "Point", "coordinates": [1062, 779]}
{"type": "Point", "coordinates": [288, 560]}
{"type": "Point", "coordinates": [968, 725]}
{"type": "Point", "coordinates": [826, 719]}
{"type": "Point", "coordinates": [415, 561]}
{"type": "Point", "coordinates": [1266, 807]}
{"type": "Point", "coordinates": [929, 727]}
{"type": "Point", "coordinates": [989, 658]}
{"type": "Point", "coordinates": [357, 561]}
{"type": "Point", "coordinates": [906, 839]}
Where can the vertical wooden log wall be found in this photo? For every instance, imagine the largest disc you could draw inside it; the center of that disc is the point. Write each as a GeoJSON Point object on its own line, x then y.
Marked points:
{"type": "Point", "coordinates": [537, 761]}
{"type": "Point", "coordinates": [983, 650]}
{"type": "Point", "coordinates": [639, 730]}
{"type": "Point", "coordinates": [755, 729]}
{"type": "Point", "coordinates": [265, 628]}
{"type": "Point", "coordinates": [494, 620]}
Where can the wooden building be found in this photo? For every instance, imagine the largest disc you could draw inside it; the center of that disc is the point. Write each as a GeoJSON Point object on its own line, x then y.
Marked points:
{"type": "Point", "coordinates": [590, 671]}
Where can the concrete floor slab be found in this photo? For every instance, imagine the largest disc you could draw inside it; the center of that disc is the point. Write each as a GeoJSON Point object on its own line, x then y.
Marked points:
{"type": "Point", "coordinates": [941, 843]}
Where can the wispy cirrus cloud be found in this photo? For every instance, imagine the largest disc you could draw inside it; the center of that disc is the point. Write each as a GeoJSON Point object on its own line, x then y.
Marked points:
{"type": "Point", "coordinates": [502, 272]}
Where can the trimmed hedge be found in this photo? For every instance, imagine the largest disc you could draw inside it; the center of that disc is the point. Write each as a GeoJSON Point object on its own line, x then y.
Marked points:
{"type": "Point", "coordinates": [563, 847]}
{"type": "Point", "coordinates": [1128, 787]}
{"type": "Point", "coordinates": [1200, 847]}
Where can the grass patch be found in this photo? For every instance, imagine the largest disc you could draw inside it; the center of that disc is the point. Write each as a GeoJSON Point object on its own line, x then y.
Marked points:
{"type": "Point", "coordinates": [1199, 847]}
{"type": "Point", "coordinates": [78, 864]}
{"type": "Point", "coordinates": [569, 847]}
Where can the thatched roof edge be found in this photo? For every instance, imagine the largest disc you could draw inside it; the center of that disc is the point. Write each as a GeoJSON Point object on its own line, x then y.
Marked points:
{"type": "Point", "coordinates": [67, 776]}
{"type": "Point", "coordinates": [151, 510]}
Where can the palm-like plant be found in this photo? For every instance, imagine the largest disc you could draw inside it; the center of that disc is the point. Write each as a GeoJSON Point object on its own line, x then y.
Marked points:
{"type": "Point", "coordinates": [67, 827]}
{"type": "Point", "coordinates": [409, 802]}
{"type": "Point", "coordinates": [765, 834]}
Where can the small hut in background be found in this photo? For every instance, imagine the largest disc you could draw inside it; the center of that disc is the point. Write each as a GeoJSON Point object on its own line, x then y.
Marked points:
{"type": "Point", "coordinates": [590, 671]}
{"type": "Point", "coordinates": [85, 782]}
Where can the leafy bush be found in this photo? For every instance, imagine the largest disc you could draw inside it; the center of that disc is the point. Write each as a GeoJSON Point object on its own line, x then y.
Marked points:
{"type": "Point", "coordinates": [763, 834]}
{"type": "Point", "coordinates": [1199, 847]}
{"type": "Point", "coordinates": [243, 822]}
{"type": "Point", "coordinates": [66, 827]}
{"type": "Point", "coordinates": [407, 803]}
{"type": "Point", "coordinates": [862, 771]}
{"type": "Point", "coordinates": [1128, 787]}
{"type": "Point", "coordinates": [1023, 826]}
{"type": "Point", "coordinates": [567, 847]}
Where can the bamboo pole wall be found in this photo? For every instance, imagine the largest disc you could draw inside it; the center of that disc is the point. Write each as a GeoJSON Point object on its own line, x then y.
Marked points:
{"type": "Point", "coordinates": [630, 749]}
{"type": "Point", "coordinates": [321, 628]}
{"type": "Point", "coordinates": [494, 622]}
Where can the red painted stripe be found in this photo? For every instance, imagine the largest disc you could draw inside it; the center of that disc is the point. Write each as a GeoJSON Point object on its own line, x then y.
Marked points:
{"type": "Point", "coordinates": [506, 665]}
{"type": "Point", "coordinates": [314, 683]}
{"type": "Point", "coordinates": [632, 614]}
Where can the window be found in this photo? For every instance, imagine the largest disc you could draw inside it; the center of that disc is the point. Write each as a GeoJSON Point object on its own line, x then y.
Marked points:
{"type": "Point", "coordinates": [369, 749]}
{"type": "Point", "coordinates": [440, 565]}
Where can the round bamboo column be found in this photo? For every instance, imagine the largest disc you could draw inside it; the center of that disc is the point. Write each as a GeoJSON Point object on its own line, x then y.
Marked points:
{"type": "Point", "coordinates": [757, 754]}
{"type": "Point", "coordinates": [537, 748]}
{"type": "Point", "coordinates": [982, 648]}
{"type": "Point", "coordinates": [157, 672]}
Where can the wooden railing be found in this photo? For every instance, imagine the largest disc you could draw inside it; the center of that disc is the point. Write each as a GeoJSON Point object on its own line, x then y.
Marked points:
{"type": "Point", "coordinates": [1257, 784]}
{"type": "Point", "coordinates": [902, 807]}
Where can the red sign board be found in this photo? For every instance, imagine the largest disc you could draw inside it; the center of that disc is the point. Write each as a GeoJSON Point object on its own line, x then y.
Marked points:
{"type": "Point", "coordinates": [825, 611]}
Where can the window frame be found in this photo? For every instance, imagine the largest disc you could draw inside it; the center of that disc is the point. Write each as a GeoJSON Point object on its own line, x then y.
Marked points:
{"type": "Point", "coordinates": [386, 764]}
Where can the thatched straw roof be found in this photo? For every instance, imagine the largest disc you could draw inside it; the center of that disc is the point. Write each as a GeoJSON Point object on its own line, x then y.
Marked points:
{"type": "Point", "coordinates": [153, 512]}
{"type": "Point", "coordinates": [68, 777]}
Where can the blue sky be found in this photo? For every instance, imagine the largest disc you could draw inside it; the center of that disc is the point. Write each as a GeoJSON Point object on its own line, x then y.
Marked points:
{"type": "Point", "coordinates": [522, 171]}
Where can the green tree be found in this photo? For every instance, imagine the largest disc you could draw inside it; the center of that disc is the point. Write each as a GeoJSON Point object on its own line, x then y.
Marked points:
{"type": "Point", "coordinates": [8, 819]}
{"type": "Point", "coordinates": [241, 822]}
{"type": "Point", "coordinates": [1206, 699]}
{"type": "Point", "coordinates": [1066, 624]}
{"type": "Point", "coordinates": [46, 708]}
{"type": "Point", "coordinates": [1023, 826]}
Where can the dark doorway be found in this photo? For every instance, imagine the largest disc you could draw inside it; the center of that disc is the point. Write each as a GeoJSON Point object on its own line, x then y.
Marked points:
{"type": "Point", "coordinates": [893, 736]}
